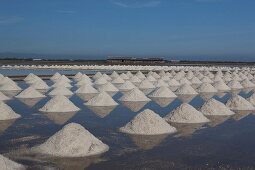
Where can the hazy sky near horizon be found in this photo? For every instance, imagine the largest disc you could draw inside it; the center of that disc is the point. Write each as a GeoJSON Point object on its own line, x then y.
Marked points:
{"type": "Point", "coordinates": [129, 27]}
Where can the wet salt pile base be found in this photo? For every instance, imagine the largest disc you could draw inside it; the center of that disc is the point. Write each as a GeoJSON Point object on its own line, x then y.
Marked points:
{"type": "Point", "coordinates": [116, 115]}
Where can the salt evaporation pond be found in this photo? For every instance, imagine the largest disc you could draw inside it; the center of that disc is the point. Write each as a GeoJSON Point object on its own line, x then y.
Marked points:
{"type": "Point", "coordinates": [224, 143]}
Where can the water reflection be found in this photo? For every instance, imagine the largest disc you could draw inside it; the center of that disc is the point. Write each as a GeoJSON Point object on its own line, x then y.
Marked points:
{"type": "Point", "coordinates": [206, 96]}
{"type": "Point", "coordinates": [11, 93]}
{"type": "Point", "coordinates": [102, 111]}
{"type": "Point", "coordinates": [5, 124]}
{"type": "Point", "coordinates": [146, 142]}
{"type": "Point", "coordinates": [59, 118]}
{"type": "Point", "coordinates": [134, 106]}
{"type": "Point", "coordinates": [240, 114]}
{"type": "Point", "coordinates": [186, 98]}
{"type": "Point", "coordinates": [30, 102]}
{"type": "Point", "coordinates": [163, 102]}
{"type": "Point", "coordinates": [217, 120]}
{"type": "Point", "coordinates": [187, 129]}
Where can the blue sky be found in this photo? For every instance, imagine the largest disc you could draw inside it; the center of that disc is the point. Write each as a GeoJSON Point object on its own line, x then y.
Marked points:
{"type": "Point", "coordinates": [178, 28]}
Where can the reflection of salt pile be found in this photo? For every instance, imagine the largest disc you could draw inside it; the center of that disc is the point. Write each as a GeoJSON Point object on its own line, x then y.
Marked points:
{"type": "Point", "coordinates": [237, 102]}
{"type": "Point", "coordinates": [134, 95]}
{"type": "Point", "coordinates": [59, 118]}
{"type": "Point", "coordinates": [186, 114]}
{"type": "Point", "coordinates": [251, 99]}
{"type": "Point", "coordinates": [101, 99]}
{"type": "Point", "coordinates": [126, 86]}
{"type": "Point", "coordinates": [86, 92]}
{"type": "Point", "coordinates": [147, 122]}
{"type": "Point", "coordinates": [221, 86]}
{"type": "Point", "coordinates": [214, 107]}
{"type": "Point", "coordinates": [30, 92]}
{"type": "Point", "coordinates": [7, 113]}
{"type": "Point", "coordinates": [59, 104]}
{"type": "Point", "coordinates": [9, 85]}
{"type": "Point", "coordinates": [60, 90]}
{"type": "Point", "coordinates": [3, 97]}
{"type": "Point", "coordinates": [7, 164]}
{"type": "Point", "coordinates": [206, 88]}
{"type": "Point", "coordinates": [72, 140]}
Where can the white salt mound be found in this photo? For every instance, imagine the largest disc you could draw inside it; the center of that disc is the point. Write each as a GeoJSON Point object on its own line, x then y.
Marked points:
{"type": "Point", "coordinates": [86, 89]}
{"type": "Point", "coordinates": [146, 84]}
{"type": "Point", "coordinates": [126, 86]}
{"type": "Point", "coordinates": [221, 86]}
{"type": "Point", "coordinates": [147, 122]}
{"type": "Point", "coordinates": [102, 99]}
{"type": "Point", "coordinates": [134, 95]}
{"type": "Point", "coordinates": [206, 88]}
{"type": "Point", "coordinates": [100, 81]}
{"type": "Point", "coordinates": [9, 85]}
{"type": "Point", "coordinates": [73, 140]}
{"type": "Point", "coordinates": [7, 164]}
{"type": "Point", "coordinates": [59, 104]}
{"type": "Point", "coordinates": [118, 80]}
{"type": "Point", "coordinates": [246, 83]}
{"type": "Point", "coordinates": [162, 92]}
{"type": "Point", "coordinates": [108, 87]}
{"type": "Point", "coordinates": [30, 92]}
{"type": "Point", "coordinates": [6, 112]}
{"type": "Point", "coordinates": [214, 107]}
{"type": "Point", "coordinates": [60, 90]}
{"type": "Point", "coordinates": [55, 76]}
{"type": "Point", "coordinates": [3, 97]}
{"type": "Point", "coordinates": [186, 113]}
{"type": "Point", "coordinates": [186, 89]}
{"type": "Point", "coordinates": [40, 85]}
{"type": "Point", "coordinates": [62, 84]}
{"type": "Point", "coordinates": [237, 102]}
{"type": "Point", "coordinates": [234, 84]}
{"type": "Point", "coordinates": [134, 79]}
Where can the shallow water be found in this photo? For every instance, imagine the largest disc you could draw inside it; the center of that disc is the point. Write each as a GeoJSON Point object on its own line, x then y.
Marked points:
{"type": "Point", "coordinates": [224, 143]}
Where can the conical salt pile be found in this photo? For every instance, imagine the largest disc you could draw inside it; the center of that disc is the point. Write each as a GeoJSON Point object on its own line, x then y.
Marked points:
{"type": "Point", "coordinates": [6, 112]}
{"type": "Point", "coordinates": [214, 107]}
{"type": "Point", "coordinates": [59, 104]}
{"type": "Point", "coordinates": [151, 79]}
{"type": "Point", "coordinates": [3, 97]}
{"type": "Point", "coordinates": [63, 78]}
{"type": "Point", "coordinates": [97, 75]}
{"type": "Point", "coordinates": [114, 75]}
{"type": "Point", "coordinates": [161, 83]}
{"type": "Point", "coordinates": [30, 92]}
{"type": "Point", "coordinates": [125, 77]}
{"type": "Point", "coordinates": [77, 76]}
{"type": "Point", "coordinates": [235, 85]}
{"type": "Point", "coordinates": [118, 80]}
{"type": "Point", "coordinates": [206, 79]}
{"type": "Point", "coordinates": [237, 102]}
{"type": "Point", "coordinates": [73, 140]}
{"type": "Point", "coordinates": [126, 86]}
{"type": "Point", "coordinates": [31, 78]}
{"type": "Point", "coordinates": [86, 89]}
{"type": "Point", "coordinates": [100, 81]}
{"type": "Point", "coordinates": [55, 76]}
{"type": "Point", "coordinates": [186, 113]}
{"type": "Point", "coordinates": [147, 122]}
{"type": "Point", "coordinates": [184, 81]}
{"type": "Point", "coordinates": [140, 75]}
{"type": "Point", "coordinates": [246, 83]}
{"type": "Point", "coordinates": [129, 74]}
{"type": "Point", "coordinates": [134, 95]}
{"type": "Point", "coordinates": [206, 88]}
{"type": "Point", "coordinates": [40, 85]}
{"type": "Point", "coordinates": [162, 92]}
{"type": "Point", "coordinates": [60, 90]}
{"type": "Point", "coordinates": [186, 89]}
{"type": "Point", "coordinates": [173, 84]}
{"type": "Point", "coordinates": [62, 83]}
{"type": "Point", "coordinates": [146, 84]}
{"type": "Point", "coordinates": [7, 164]}
{"type": "Point", "coordinates": [195, 81]}
{"type": "Point", "coordinates": [83, 81]}
{"type": "Point", "coordinates": [221, 86]}
{"type": "Point", "coordinates": [108, 87]}
{"type": "Point", "coordinates": [108, 78]}
{"type": "Point", "coordinates": [9, 85]}
{"type": "Point", "coordinates": [135, 80]}
{"type": "Point", "coordinates": [101, 99]}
